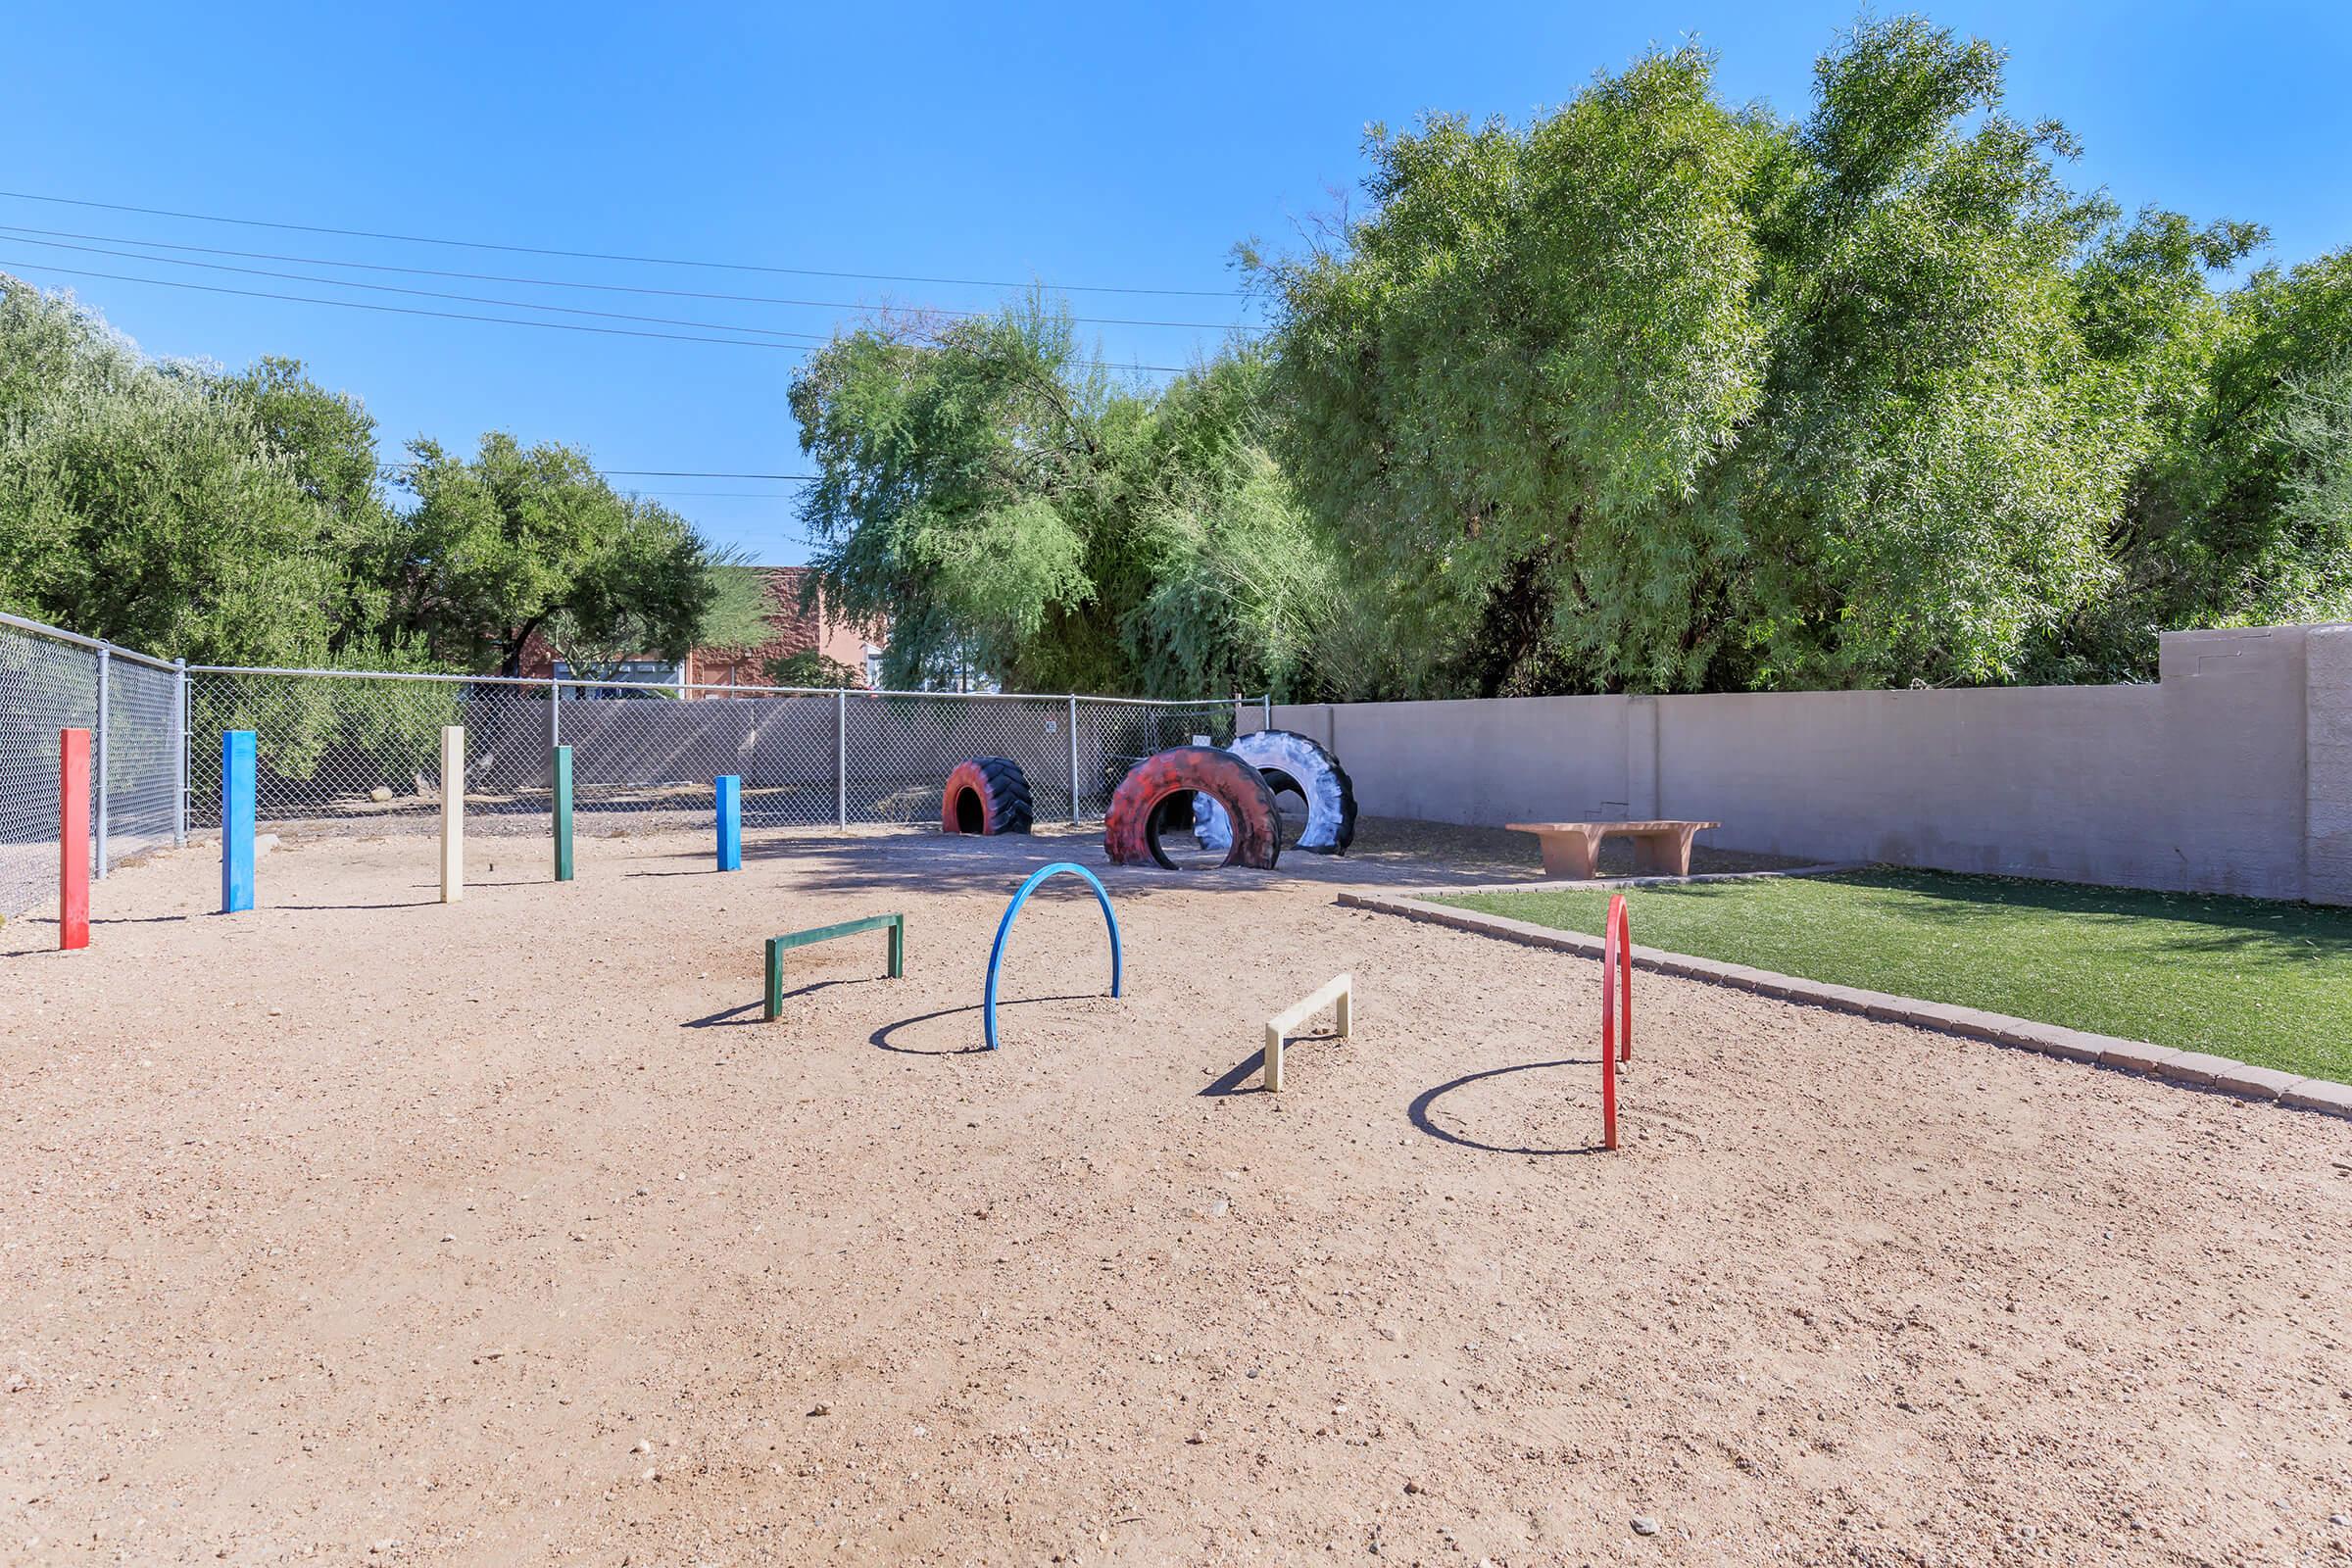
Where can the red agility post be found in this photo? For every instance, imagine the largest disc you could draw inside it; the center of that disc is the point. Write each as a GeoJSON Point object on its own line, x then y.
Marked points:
{"type": "Point", "coordinates": [72, 838]}
{"type": "Point", "coordinates": [1616, 994]}
{"type": "Point", "coordinates": [1623, 929]}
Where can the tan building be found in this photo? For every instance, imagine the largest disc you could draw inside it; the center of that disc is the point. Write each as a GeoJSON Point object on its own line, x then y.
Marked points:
{"type": "Point", "coordinates": [791, 630]}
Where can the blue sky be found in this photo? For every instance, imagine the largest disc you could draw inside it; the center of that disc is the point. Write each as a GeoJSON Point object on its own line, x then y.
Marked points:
{"type": "Point", "coordinates": [1086, 146]}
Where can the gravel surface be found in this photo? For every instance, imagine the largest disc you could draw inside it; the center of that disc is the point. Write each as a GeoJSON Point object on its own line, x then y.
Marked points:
{"type": "Point", "coordinates": [362, 1228]}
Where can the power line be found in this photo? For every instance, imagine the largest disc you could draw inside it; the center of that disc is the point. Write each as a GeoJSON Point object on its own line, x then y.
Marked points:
{"type": "Point", "coordinates": [675, 473]}
{"type": "Point", "coordinates": [697, 473]}
{"type": "Point", "coordinates": [402, 310]}
{"type": "Point", "coordinates": [393, 470]}
{"type": "Point", "coordinates": [560, 282]}
{"type": "Point", "coordinates": [463, 316]}
{"type": "Point", "coordinates": [602, 255]}
{"type": "Point", "coordinates": [425, 293]}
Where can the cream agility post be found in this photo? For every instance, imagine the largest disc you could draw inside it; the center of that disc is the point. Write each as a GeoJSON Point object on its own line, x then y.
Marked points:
{"type": "Point", "coordinates": [453, 812]}
{"type": "Point", "coordinates": [1338, 993]}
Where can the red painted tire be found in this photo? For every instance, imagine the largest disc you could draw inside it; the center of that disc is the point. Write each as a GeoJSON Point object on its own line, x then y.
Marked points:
{"type": "Point", "coordinates": [1131, 830]}
{"type": "Point", "coordinates": [986, 795]}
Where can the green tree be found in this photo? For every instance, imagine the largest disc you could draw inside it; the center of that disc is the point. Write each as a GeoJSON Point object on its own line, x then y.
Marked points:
{"type": "Point", "coordinates": [1656, 394]}
{"type": "Point", "coordinates": [2220, 529]}
{"type": "Point", "coordinates": [1239, 584]}
{"type": "Point", "coordinates": [327, 441]}
{"type": "Point", "coordinates": [959, 482]}
{"type": "Point", "coordinates": [1928, 485]}
{"type": "Point", "coordinates": [733, 618]}
{"type": "Point", "coordinates": [810, 667]}
{"type": "Point", "coordinates": [1010, 510]}
{"type": "Point", "coordinates": [1507, 381]}
{"type": "Point", "coordinates": [738, 617]}
{"type": "Point", "coordinates": [523, 541]}
{"type": "Point", "coordinates": [138, 503]}
{"type": "Point", "coordinates": [232, 520]}
{"type": "Point", "coordinates": [242, 519]}
{"type": "Point", "coordinates": [2311, 548]}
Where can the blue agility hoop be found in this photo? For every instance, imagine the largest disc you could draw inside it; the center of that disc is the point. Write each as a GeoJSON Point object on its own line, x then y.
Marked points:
{"type": "Point", "coordinates": [996, 953]}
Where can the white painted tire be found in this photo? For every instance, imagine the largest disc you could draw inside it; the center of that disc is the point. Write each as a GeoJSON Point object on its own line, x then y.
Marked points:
{"type": "Point", "coordinates": [1290, 761]}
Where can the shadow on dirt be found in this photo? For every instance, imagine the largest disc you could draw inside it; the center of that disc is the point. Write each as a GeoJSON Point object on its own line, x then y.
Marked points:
{"type": "Point", "coordinates": [729, 1017]}
{"type": "Point", "coordinates": [882, 1037]}
{"type": "Point", "coordinates": [1423, 1102]}
{"type": "Point", "coordinates": [1235, 1080]}
{"type": "Point", "coordinates": [925, 860]}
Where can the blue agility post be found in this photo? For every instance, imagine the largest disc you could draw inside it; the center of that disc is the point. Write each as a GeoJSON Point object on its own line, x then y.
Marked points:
{"type": "Point", "coordinates": [236, 820]}
{"type": "Point", "coordinates": [996, 953]}
{"type": "Point", "coordinates": [730, 822]}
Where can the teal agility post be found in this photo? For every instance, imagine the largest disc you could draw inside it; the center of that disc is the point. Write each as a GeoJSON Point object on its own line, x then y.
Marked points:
{"type": "Point", "coordinates": [996, 953]}
{"type": "Point", "coordinates": [729, 789]}
{"type": "Point", "coordinates": [562, 806]}
{"type": "Point", "coordinates": [777, 947]}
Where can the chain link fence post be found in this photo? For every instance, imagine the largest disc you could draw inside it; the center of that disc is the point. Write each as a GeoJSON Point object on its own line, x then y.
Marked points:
{"type": "Point", "coordinates": [840, 759]}
{"type": "Point", "coordinates": [1073, 758]}
{"type": "Point", "coordinates": [99, 763]}
{"type": "Point", "coordinates": [179, 752]}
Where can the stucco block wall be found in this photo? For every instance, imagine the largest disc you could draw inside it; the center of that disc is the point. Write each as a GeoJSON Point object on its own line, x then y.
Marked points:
{"type": "Point", "coordinates": [2327, 751]}
{"type": "Point", "coordinates": [2231, 774]}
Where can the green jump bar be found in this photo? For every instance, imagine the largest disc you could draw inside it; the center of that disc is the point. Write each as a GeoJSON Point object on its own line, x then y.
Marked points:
{"type": "Point", "coordinates": [896, 924]}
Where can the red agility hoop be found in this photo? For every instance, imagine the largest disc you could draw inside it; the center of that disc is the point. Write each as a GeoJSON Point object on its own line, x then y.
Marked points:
{"type": "Point", "coordinates": [1616, 997]}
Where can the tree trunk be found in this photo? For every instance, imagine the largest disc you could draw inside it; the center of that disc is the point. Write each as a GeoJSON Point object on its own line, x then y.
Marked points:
{"type": "Point", "coordinates": [510, 662]}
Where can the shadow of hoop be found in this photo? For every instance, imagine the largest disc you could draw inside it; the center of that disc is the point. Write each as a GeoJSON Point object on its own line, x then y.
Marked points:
{"type": "Point", "coordinates": [882, 1037]}
{"type": "Point", "coordinates": [1419, 1109]}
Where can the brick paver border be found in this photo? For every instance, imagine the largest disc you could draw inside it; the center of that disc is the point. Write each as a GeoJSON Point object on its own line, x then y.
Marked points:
{"type": "Point", "coordinates": [2194, 1068]}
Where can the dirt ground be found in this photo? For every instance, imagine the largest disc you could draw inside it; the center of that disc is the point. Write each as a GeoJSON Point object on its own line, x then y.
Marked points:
{"type": "Point", "coordinates": [362, 1228]}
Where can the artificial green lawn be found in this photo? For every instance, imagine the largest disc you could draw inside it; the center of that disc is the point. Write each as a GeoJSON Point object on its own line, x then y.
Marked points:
{"type": "Point", "coordinates": [2267, 982]}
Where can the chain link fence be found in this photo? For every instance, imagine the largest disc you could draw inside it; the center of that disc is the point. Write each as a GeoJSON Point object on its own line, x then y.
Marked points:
{"type": "Point", "coordinates": [363, 751]}
{"type": "Point", "coordinates": [46, 684]}
{"type": "Point", "coordinates": [51, 680]}
{"type": "Point", "coordinates": [141, 748]}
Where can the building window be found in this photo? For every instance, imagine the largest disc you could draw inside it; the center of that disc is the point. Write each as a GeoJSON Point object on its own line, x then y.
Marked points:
{"type": "Point", "coordinates": [618, 680]}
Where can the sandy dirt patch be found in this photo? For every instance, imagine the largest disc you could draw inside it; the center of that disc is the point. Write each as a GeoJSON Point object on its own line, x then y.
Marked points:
{"type": "Point", "coordinates": [363, 1229]}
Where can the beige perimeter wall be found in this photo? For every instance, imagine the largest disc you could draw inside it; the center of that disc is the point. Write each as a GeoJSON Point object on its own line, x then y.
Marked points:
{"type": "Point", "coordinates": [2231, 774]}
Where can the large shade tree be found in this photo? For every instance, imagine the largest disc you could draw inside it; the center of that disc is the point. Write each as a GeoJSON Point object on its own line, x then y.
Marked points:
{"type": "Point", "coordinates": [148, 503]}
{"type": "Point", "coordinates": [520, 542]}
{"type": "Point", "coordinates": [1503, 385]}
{"type": "Point", "coordinates": [243, 518]}
{"type": "Point", "coordinates": [1660, 394]}
{"type": "Point", "coordinates": [1013, 510]}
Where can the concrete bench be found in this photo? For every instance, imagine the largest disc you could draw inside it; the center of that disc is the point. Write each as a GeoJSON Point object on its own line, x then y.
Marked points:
{"type": "Point", "coordinates": [1570, 849]}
